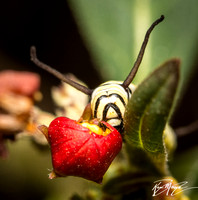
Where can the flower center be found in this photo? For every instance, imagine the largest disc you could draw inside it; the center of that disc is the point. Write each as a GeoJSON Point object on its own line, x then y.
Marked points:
{"type": "Point", "coordinates": [96, 129]}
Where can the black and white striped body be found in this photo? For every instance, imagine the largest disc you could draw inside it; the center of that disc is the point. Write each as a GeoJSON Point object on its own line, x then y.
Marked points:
{"type": "Point", "coordinates": [108, 102]}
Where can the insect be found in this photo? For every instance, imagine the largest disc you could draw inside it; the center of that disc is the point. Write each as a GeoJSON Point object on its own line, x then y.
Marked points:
{"type": "Point", "coordinates": [109, 99]}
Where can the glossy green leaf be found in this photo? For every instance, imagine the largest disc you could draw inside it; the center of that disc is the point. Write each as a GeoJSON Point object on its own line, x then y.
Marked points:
{"type": "Point", "coordinates": [147, 114]}
{"type": "Point", "coordinates": [114, 30]}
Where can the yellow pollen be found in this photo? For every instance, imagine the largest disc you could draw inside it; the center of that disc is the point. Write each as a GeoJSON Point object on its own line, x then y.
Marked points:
{"type": "Point", "coordinates": [96, 129]}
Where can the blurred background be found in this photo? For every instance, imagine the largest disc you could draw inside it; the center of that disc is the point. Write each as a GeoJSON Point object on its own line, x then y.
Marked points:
{"type": "Point", "coordinates": [96, 41]}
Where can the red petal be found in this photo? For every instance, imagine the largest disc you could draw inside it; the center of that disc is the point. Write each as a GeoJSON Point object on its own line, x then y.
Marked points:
{"type": "Point", "coordinates": [76, 152]}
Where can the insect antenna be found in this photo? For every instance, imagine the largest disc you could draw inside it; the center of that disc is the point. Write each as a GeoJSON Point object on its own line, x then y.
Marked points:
{"type": "Point", "coordinates": [56, 73]}
{"type": "Point", "coordinates": [138, 61]}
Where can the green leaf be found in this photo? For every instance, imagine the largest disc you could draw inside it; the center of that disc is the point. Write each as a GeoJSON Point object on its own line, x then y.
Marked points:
{"type": "Point", "coordinates": [114, 30]}
{"type": "Point", "coordinates": [146, 116]}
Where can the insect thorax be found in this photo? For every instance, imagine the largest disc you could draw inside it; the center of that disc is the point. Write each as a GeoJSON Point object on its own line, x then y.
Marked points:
{"type": "Point", "coordinates": [108, 102]}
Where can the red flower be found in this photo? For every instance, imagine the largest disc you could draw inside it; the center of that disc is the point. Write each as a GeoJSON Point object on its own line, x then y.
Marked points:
{"type": "Point", "coordinates": [82, 149]}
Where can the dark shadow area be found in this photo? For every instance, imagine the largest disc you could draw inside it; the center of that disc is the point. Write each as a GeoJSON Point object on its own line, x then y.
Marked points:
{"type": "Point", "coordinates": [49, 26]}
